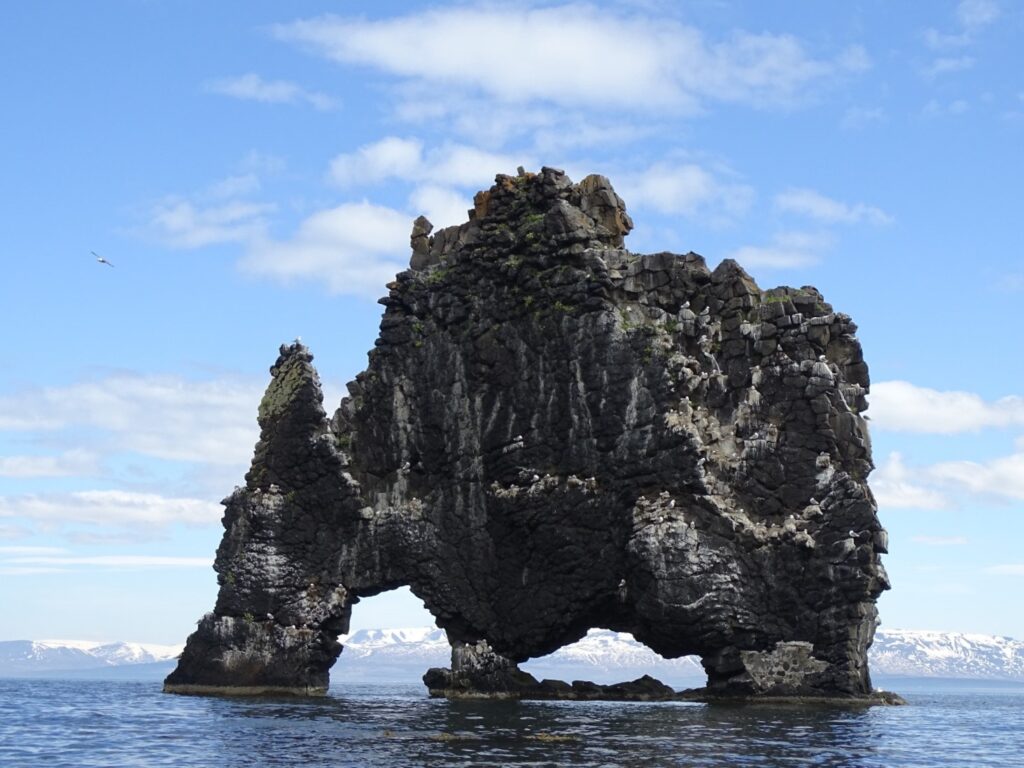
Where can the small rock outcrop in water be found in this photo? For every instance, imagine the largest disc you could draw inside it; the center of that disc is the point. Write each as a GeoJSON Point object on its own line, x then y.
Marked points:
{"type": "Point", "coordinates": [555, 434]}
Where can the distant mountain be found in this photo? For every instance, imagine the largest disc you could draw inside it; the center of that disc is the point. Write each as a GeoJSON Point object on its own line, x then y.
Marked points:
{"type": "Point", "coordinates": [604, 656]}
{"type": "Point", "coordinates": [919, 653]}
{"type": "Point", "coordinates": [32, 658]}
{"type": "Point", "coordinates": [403, 655]}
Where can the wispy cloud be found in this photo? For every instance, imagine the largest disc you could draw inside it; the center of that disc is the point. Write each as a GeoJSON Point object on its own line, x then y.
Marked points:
{"type": "Point", "coordinates": [67, 464]}
{"type": "Point", "coordinates": [786, 250]}
{"type": "Point", "coordinates": [857, 118]}
{"type": "Point", "coordinates": [808, 202]}
{"type": "Point", "coordinates": [392, 157]}
{"type": "Point", "coordinates": [940, 541]}
{"type": "Point", "coordinates": [945, 64]}
{"type": "Point", "coordinates": [113, 561]}
{"type": "Point", "coordinates": [165, 417]}
{"type": "Point", "coordinates": [125, 509]}
{"type": "Point", "coordinates": [687, 189]}
{"type": "Point", "coordinates": [185, 224]}
{"type": "Point", "coordinates": [648, 63]}
{"type": "Point", "coordinates": [973, 14]}
{"type": "Point", "coordinates": [936, 108]}
{"type": "Point", "coordinates": [354, 248]}
{"type": "Point", "coordinates": [1008, 569]}
{"type": "Point", "coordinates": [1001, 478]}
{"type": "Point", "coordinates": [900, 406]}
{"type": "Point", "coordinates": [896, 487]}
{"type": "Point", "coordinates": [252, 87]}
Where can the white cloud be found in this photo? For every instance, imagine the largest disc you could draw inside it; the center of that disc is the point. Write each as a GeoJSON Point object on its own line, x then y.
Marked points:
{"type": "Point", "coordinates": [252, 87]}
{"type": "Point", "coordinates": [938, 41]}
{"type": "Point", "coordinates": [110, 508]}
{"type": "Point", "coordinates": [182, 224]}
{"type": "Point", "coordinates": [904, 407]}
{"type": "Point", "coordinates": [940, 541]}
{"type": "Point", "coordinates": [444, 207]}
{"type": "Point", "coordinates": [68, 464]}
{"type": "Point", "coordinates": [977, 13]}
{"type": "Point", "coordinates": [11, 532]}
{"type": "Point", "coordinates": [29, 550]}
{"type": "Point", "coordinates": [234, 186]}
{"type": "Point", "coordinates": [391, 157]}
{"type": "Point", "coordinates": [895, 487]}
{"type": "Point", "coordinates": [687, 189]}
{"type": "Point", "coordinates": [808, 202]}
{"type": "Point", "coordinates": [396, 158]}
{"type": "Point", "coordinates": [936, 108]}
{"type": "Point", "coordinates": [355, 248]}
{"type": "Point", "coordinates": [1002, 477]}
{"type": "Point", "coordinates": [650, 64]}
{"type": "Point", "coordinates": [1009, 569]}
{"type": "Point", "coordinates": [856, 118]}
{"type": "Point", "coordinates": [113, 561]}
{"type": "Point", "coordinates": [166, 417]}
{"type": "Point", "coordinates": [946, 64]}
{"type": "Point", "coordinates": [787, 250]}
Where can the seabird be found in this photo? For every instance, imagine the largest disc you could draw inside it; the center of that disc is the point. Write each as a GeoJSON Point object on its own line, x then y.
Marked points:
{"type": "Point", "coordinates": [536, 478]}
{"type": "Point", "coordinates": [812, 500]}
{"type": "Point", "coordinates": [100, 259]}
{"type": "Point", "coordinates": [702, 340]}
{"type": "Point", "coordinates": [822, 358]}
{"type": "Point", "coordinates": [518, 438]}
{"type": "Point", "coordinates": [686, 305]}
{"type": "Point", "coordinates": [672, 504]}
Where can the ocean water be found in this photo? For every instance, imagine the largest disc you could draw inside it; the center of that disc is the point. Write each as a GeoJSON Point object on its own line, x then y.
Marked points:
{"type": "Point", "coordinates": [100, 723]}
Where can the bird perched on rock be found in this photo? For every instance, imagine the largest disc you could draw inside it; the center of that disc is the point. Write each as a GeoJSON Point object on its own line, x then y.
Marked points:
{"type": "Point", "coordinates": [100, 259]}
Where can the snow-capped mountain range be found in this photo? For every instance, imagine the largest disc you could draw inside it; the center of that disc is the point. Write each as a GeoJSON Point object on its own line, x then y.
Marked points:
{"type": "Point", "coordinates": [32, 657]}
{"type": "Point", "coordinates": [403, 655]}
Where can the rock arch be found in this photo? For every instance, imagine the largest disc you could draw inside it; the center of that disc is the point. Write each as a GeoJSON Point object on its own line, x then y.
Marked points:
{"type": "Point", "coordinates": [554, 434]}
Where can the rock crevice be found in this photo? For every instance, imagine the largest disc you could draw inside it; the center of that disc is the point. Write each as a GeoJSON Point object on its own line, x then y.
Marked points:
{"type": "Point", "coordinates": [555, 434]}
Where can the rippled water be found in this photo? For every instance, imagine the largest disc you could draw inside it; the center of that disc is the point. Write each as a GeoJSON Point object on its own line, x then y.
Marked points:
{"type": "Point", "coordinates": [94, 723]}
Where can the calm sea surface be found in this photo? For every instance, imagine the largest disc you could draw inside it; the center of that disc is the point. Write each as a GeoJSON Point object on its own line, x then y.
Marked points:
{"type": "Point", "coordinates": [98, 723]}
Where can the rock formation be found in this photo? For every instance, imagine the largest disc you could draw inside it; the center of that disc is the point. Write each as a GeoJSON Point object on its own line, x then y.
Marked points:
{"type": "Point", "coordinates": [555, 434]}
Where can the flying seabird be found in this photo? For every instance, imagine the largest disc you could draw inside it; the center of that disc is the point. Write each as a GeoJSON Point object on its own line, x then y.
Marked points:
{"type": "Point", "coordinates": [100, 259]}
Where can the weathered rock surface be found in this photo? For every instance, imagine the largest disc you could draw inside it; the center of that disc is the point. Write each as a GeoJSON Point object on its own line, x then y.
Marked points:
{"type": "Point", "coordinates": [555, 434]}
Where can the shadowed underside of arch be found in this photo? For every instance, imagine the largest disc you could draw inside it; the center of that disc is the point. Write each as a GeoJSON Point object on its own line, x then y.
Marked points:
{"type": "Point", "coordinates": [555, 434]}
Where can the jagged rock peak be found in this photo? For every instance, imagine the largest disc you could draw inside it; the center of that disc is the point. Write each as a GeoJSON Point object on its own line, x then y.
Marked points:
{"type": "Point", "coordinates": [530, 211]}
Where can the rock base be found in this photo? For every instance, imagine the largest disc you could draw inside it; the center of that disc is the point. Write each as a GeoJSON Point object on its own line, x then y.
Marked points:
{"type": "Point", "coordinates": [243, 690]}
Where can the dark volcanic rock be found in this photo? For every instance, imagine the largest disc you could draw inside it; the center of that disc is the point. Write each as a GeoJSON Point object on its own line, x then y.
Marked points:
{"type": "Point", "coordinates": [555, 434]}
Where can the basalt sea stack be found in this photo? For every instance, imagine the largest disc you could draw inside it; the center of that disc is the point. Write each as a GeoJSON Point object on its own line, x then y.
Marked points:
{"type": "Point", "coordinates": [555, 434]}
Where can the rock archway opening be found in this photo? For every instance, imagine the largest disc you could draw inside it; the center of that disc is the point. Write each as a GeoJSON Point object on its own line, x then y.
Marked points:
{"type": "Point", "coordinates": [392, 638]}
{"type": "Point", "coordinates": [606, 657]}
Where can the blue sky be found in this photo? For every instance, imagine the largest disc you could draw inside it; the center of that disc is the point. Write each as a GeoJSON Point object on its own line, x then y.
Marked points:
{"type": "Point", "coordinates": [252, 171]}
